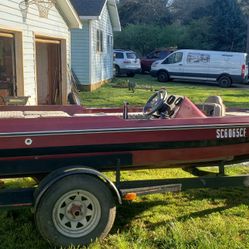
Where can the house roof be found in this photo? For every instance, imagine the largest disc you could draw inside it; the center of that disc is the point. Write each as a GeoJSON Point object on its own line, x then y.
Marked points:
{"type": "Point", "coordinates": [69, 13]}
{"type": "Point", "coordinates": [92, 10]}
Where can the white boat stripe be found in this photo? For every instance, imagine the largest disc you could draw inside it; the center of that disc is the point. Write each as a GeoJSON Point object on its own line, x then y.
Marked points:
{"type": "Point", "coordinates": [120, 130]}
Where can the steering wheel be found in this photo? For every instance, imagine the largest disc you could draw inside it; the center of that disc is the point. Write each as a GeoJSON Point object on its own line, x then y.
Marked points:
{"type": "Point", "coordinates": [155, 102]}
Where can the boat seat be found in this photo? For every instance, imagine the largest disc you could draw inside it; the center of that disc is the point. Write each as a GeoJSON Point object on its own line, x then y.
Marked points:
{"type": "Point", "coordinates": [213, 106]}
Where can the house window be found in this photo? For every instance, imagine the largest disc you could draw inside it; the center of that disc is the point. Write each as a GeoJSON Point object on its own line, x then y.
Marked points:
{"type": "Point", "coordinates": [109, 41]}
{"type": "Point", "coordinates": [99, 40]}
{"type": "Point", "coordinates": [7, 64]}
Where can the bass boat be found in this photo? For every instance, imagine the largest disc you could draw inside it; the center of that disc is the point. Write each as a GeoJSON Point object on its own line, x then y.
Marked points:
{"type": "Point", "coordinates": [67, 148]}
{"type": "Point", "coordinates": [170, 131]}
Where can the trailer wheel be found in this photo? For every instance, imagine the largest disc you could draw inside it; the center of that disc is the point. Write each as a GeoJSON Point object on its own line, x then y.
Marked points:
{"type": "Point", "coordinates": [75, 211]}
{"type": "Point", "coordinates": [225, 81]}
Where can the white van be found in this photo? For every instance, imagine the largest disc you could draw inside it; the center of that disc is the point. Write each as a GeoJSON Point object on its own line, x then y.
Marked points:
{"type": "Point", "coordinates": [202, 65]}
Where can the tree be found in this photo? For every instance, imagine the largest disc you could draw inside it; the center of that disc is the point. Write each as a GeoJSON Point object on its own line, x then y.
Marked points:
{"type": "Point", "coordinates": [197, 35]}
{"type": "Point", "coordinates": [172, 36]}
{"type": "Point", "coordinates": [227, 26]}
{"type": "Point", "coordinates": [196, 24]}
{"type": "Point", "coordinates": [185, 11]}
{"type": "Point", "coordinates": [141, 38]}
{"type": "Point", "coordinates": [244, 5]}
{"type": "Point", "coordinates": [144, 12]}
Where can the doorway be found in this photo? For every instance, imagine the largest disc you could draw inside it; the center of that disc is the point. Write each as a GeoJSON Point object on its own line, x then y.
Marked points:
{"type": "Point", "coordinates": [48, 72]}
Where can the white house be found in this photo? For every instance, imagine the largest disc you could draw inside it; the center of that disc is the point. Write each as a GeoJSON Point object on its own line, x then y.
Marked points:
{"type": "Point", "coordinates": [35, 49]}
{"type": "Point", "coordinates": [92, 47]}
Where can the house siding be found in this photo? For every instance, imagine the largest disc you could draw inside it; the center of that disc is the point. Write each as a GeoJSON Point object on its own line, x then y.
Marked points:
{"type": "Point", "coordinates": [81, 53]}
{"type": "Point", "coordinates": [92, 67]}
{"type": "Point", "coordinates": [55, 27]}
{"type": "Point", "coordinates": [102, 62]}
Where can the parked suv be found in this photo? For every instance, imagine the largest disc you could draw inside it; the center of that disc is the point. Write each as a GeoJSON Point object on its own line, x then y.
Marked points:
{"type": "Point", "coordinates": [126, 62]}
{"type": "Point", "coordinates": [155, 55]}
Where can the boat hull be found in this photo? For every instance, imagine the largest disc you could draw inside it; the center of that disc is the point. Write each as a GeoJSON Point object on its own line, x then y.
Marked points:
{"type": "Point", "coordinates": [39, 146]}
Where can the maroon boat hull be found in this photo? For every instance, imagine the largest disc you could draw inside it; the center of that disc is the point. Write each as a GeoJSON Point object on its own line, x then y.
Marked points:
{"type": "Point", "coordinates": [105, 142]}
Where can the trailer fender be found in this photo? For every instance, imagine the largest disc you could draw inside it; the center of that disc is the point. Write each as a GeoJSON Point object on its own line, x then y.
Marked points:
{"type": "Point", "coordinates": [57, 175]}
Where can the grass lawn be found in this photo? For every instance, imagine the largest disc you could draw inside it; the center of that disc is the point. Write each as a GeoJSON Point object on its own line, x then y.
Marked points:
{"type": "Point", "coordinates": [203, 218]}
{"type": "Point", "coordinates": [111, 96]}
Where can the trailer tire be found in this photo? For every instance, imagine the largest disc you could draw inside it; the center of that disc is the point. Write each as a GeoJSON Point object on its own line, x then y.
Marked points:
{"type": "Point", "coordinates": [75, 211]}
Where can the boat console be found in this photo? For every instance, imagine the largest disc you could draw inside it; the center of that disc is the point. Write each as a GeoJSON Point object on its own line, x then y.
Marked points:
{"type": "Point", "coordinates": [159, 105]}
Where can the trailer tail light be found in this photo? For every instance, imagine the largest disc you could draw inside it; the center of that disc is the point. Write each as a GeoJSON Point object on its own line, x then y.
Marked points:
{"type": "Point", "coordinates": [130, 196]}
{"type": "Point", "coordinates": [243, 71]}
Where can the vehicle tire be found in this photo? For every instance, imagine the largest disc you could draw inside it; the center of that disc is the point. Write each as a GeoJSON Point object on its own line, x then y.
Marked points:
{"type": "Point", "coordinates": [117, 70]}
{"type": "Point", "coordinates": [75, 211]}
{"type": "Point", "coordinates": [130, 74]}
{"type": "Point", "coordinates": [143, 70]}
{"type": "Point", "coordinates": [225, 81]}
{"type": "Point", "coordinates": [163, 76]}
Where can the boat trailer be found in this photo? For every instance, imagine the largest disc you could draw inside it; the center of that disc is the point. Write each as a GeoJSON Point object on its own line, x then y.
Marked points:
{"type": "Point", "coordinates": [129, 190]}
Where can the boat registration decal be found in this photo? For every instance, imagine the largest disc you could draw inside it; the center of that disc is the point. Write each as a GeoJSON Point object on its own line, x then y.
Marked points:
{"type": "Point", "coordinates": [231, 133]}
